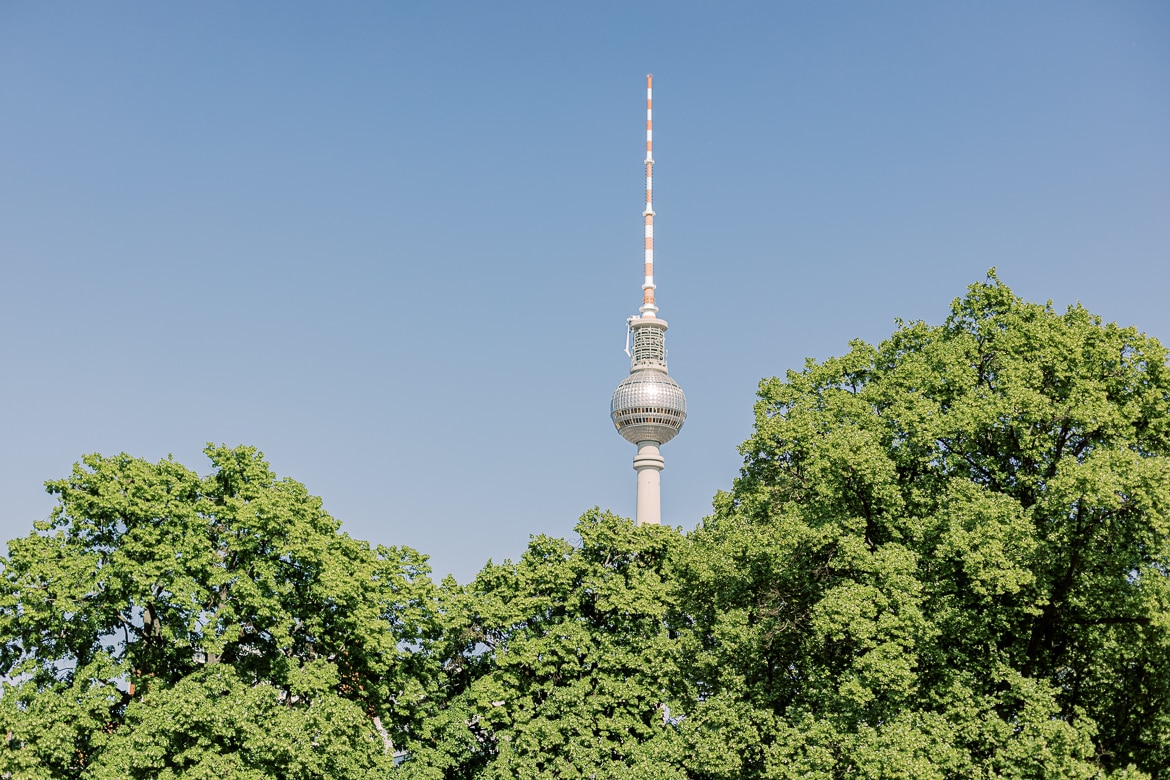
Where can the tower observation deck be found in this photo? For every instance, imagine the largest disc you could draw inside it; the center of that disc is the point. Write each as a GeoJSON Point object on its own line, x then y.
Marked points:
{"type": "Point", "coordinates": [648, 408]}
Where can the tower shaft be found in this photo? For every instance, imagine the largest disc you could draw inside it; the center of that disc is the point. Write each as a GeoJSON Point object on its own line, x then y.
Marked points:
{"type": "Point", "coordinates": [649, 463]}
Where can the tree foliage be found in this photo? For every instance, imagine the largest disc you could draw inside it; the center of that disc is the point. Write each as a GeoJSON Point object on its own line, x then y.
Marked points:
{"type": "Point", "coordinates": [561, 665]}
{"type": "Point", "coordinates": [946, 557]}
{"type": "Point", "coordinates": [157, 612]}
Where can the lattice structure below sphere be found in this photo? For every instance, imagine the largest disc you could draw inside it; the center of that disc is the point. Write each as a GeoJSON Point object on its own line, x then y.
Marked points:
{"type": "Point", "coordinates": [648, 406]}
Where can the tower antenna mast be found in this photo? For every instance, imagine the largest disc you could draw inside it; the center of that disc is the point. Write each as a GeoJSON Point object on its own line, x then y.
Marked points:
{"type": "Point", "coordinates": [648, 308]}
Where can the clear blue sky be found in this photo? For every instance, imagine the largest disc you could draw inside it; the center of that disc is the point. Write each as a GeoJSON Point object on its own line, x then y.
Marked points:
{"type": "Point", "coordinates": [393, 245]}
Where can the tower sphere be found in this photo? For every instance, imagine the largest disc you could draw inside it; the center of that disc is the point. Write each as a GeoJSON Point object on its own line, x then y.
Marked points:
{"type": "Point", "coordinates": [648, 406]}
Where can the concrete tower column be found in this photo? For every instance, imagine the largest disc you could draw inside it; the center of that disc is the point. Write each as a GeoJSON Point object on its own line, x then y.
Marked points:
{"type": "Point", "coordinates": [648, 463]}
{"type": "Point", "coordinates": [648, 408]}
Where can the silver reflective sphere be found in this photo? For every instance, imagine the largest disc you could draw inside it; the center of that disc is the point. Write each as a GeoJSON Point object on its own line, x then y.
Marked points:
{"type": "Point", "coordinates": [648, 406]}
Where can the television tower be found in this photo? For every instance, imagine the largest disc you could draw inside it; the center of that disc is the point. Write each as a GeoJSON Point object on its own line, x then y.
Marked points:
{"type": "Point", "coordinates": [648, 407]}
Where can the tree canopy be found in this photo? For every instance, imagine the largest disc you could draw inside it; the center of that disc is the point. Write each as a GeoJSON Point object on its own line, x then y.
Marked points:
{"type": "Point", "coordinates": [560, 665]}
{"type": "Point", "coordinates": [946, 556]}
{"type": "Point", "coordinates": [161, 624]}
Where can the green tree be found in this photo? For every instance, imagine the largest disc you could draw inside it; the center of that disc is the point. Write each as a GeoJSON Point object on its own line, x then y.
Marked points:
{"type": "Point", "coordinates": [164, 625]}
{"type": "Point", "coordinates": [946, 556]}
{"type": "Point", "coordinates": [560, 665]}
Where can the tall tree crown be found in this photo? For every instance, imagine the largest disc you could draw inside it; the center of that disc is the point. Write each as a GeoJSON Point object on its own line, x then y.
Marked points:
{"type": "Point", "coordinates": [967, 518]}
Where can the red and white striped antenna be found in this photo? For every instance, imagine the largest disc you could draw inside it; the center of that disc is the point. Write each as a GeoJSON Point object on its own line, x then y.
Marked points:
{"type": "Point", "coordinates": [648, 308]}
